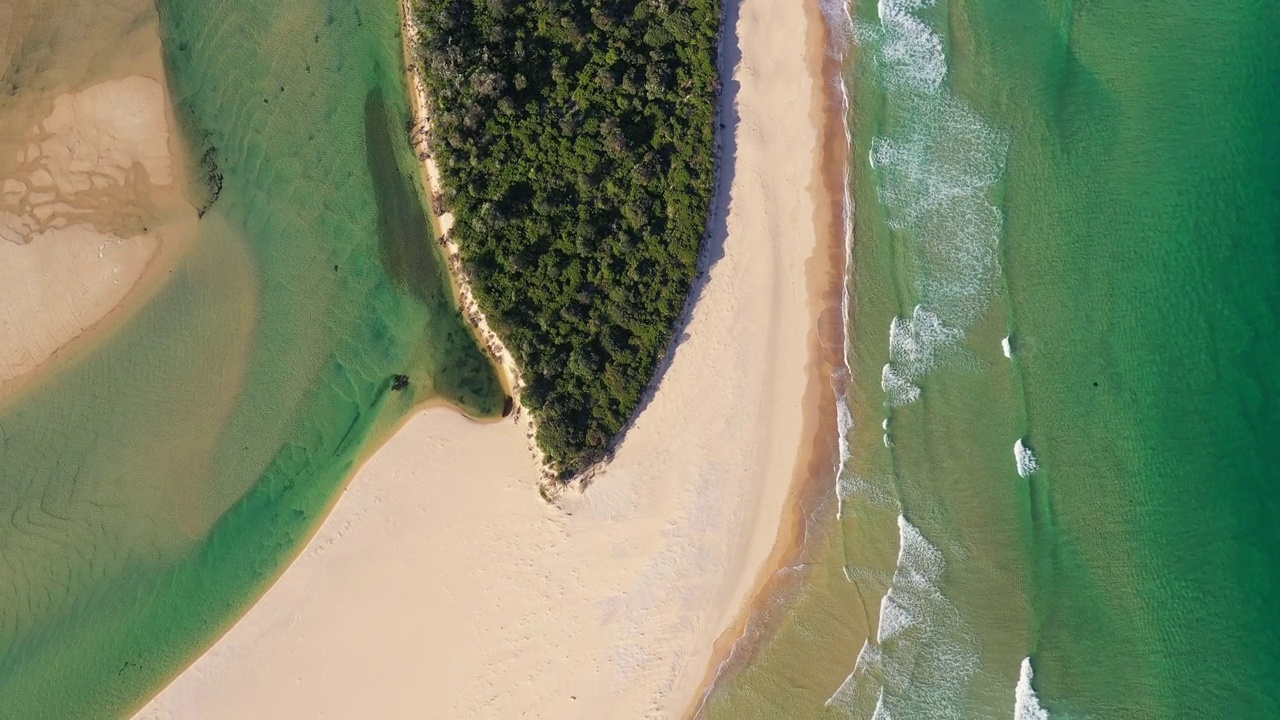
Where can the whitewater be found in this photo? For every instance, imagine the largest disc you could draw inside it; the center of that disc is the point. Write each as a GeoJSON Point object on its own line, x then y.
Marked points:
{"type": "Point", "coordinates": [935, 172]}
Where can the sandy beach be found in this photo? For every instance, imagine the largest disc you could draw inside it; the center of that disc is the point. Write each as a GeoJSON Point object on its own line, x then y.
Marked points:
{"type": "Point", "coordinates": [442, 585]}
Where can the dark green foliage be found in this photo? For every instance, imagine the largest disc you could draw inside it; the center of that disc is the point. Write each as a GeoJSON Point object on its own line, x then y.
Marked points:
{"type": "Point", "coordinates": [576, 142]}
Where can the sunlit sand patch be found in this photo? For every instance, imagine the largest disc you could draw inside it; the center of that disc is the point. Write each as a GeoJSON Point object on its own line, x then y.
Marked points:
{"type": "Point", "coordinates": [87, 200]}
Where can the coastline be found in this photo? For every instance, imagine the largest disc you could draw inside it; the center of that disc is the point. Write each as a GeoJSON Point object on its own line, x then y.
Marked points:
{"type": "Point", "coordinates": [826, 273]}
{"type": "Point", "coordinates": [599, 604]}
{"type": "Point", "coordinates": [442, 222]}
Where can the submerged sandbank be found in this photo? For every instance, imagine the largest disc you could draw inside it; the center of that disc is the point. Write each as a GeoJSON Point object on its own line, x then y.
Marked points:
{"type": "Point", "coordinates": [442, 585]}
{"type": "Point", "coordinates": [155, 483]}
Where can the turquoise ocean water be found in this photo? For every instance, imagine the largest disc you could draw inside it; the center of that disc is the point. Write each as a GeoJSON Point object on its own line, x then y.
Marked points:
{"type": "Point", "coordinates": [1059, 490]}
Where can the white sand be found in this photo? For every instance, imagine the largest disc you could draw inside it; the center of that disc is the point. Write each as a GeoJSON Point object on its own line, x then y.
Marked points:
{"type": "Point", "coordinates": [441, 586]}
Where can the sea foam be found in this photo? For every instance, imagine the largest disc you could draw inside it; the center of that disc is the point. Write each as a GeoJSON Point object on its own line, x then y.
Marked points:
{"type": "Point", "coordinates": [1026, 704]}
{"type": "Point", "coordinates": [844, 425]}
{"type": "Point", "coordinates": [924, 652]}
{"type": "Point", "coordinates": [1024, 460]}
{"type": "Point", "coordinates": [916, 345]}
{"type": "Point", "coordinates": [880, 713]}
{"type": "Point", "coordinates": [919, 566]}
{"type": "Point", "coordinates": [936, 167]}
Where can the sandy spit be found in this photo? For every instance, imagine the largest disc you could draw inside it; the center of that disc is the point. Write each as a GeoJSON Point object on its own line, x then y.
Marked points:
{"type": "Point", "coordinates": [443, 586]}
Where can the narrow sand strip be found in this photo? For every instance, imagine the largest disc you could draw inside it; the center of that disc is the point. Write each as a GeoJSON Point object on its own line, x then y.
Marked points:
{"type": "Point", "coordinates": [442, 586]}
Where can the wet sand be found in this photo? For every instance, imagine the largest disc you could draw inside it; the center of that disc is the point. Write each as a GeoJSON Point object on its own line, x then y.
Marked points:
{"type": "Point", "coordinates": [92, 201]}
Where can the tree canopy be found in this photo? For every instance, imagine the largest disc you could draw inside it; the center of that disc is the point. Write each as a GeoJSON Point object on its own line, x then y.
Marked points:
{"type": "Point", "coordinates": [576, 140]}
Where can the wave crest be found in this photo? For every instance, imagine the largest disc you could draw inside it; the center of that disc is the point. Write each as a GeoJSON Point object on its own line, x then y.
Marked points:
{"type": "Point", "coordinates": [924, 652]}
{"type": "Point", "coordinates": [1024, 459]}
{"type": "Point", "coordinates": [1026, 704]}
{"type": "Point", "coordinates": [916, 345]}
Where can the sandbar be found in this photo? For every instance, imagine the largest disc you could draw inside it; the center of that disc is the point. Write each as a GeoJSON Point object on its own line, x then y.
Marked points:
{"type": "Point", "coordinates": [442, 585]}
{"type": "Point", "coordinates": [91, 195]}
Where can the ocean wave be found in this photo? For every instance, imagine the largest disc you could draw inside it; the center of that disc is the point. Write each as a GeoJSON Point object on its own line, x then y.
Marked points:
{"type": "Point", "coordinates": [880, 713]}
{"type": "Point", "coordinates": [1024, 459]}
{"type": "Point", "coordinates": [920, 564]}
{"type": "Point", "coordinates": [909, 51]}
{"type": "Point", "coordinates": [839, 24]}
{"type": "Point", "coordinates": [916, 345]}
{"type": "Point", "coordinates": [866, 676]}
{"type": "Point", "coordinates": [840, 27]}
{"type": "Point", "coordinates": [936, 168]}
{"type": "Point", "coordinates": [936, 173]}
{"type": "Point", "coordinates": [844, 423]}
{"type": "Point", "coordinates": [936, 164]}
{"type": "Point", "coordinates": [846, 696]}
{"type": "Point", "coordinates": [1026, 704]}
{"type": "Point", "coordinates": [924, 652]}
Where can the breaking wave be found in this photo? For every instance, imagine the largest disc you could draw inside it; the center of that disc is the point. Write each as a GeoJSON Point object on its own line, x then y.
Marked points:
{"type": "Point", "coordinates": [924, 652]}
{"type": "Point", "coordinates": [1024, 460]}
{"type": "Point", "coordinates": [937, 165]}
{"type": "Point", "coordinates": [844, 423]}
{"type": "Point", "coordinates": [936, 169]}
{"type": "Point", "coordinates": [1026, 704]}
{"type": "Point", "coordinates": [916, 344]}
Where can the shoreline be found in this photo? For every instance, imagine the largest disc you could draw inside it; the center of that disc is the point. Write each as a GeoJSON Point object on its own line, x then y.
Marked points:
{"type": "Point", "coordinates": [442, 222]}
{"type": "Point", "coordinates": [816, 465]}
{"type": "Point", "coordinates": [600, 604]}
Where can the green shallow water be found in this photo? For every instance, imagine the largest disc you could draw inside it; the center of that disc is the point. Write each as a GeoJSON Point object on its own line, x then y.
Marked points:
{"type": "Point", "coordinates": [1101, 181]}
{"type": "Point", "coordinates": [158, 483]}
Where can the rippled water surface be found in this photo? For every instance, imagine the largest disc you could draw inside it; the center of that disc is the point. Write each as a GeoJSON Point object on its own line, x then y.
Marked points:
{"type": "Point", "coordinates": [160, 479]}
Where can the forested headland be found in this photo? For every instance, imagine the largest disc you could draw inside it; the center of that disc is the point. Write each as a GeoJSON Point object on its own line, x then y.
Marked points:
{"type": "Point", "coordinates": [576, 142]}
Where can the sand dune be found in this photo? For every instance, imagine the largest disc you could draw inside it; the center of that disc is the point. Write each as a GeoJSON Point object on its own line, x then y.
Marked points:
{"type": "Point", "coordinates": [441, 586]}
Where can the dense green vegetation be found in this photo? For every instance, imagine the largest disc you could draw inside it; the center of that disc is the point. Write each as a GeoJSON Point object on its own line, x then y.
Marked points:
{"type": "Point", "coordinates": [576, 142]}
